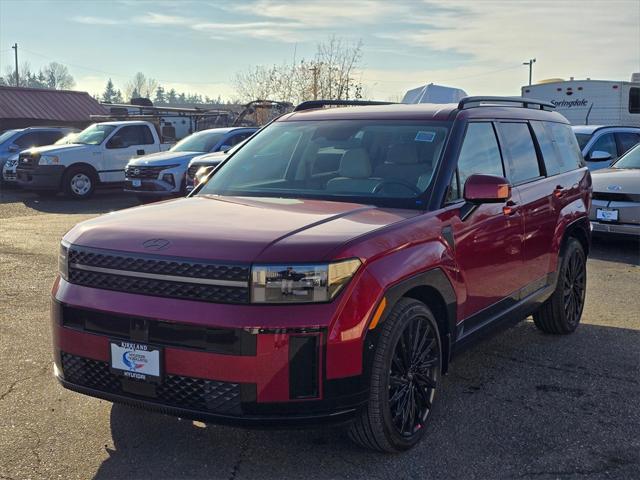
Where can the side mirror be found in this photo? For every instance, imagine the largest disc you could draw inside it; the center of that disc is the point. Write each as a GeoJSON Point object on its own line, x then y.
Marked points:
{"type": "Point", "coordinates": [115, 142]}
{"type": "Point", "coordinates": [13, 148]}
{"type": "Point", "coordinates": [486, 189]}
{"type": "Point", "coordinates": [599, 156]}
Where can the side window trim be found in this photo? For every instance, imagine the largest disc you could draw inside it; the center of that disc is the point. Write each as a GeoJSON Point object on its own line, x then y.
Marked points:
{"type": "Point", "coordinates": [506, 157]}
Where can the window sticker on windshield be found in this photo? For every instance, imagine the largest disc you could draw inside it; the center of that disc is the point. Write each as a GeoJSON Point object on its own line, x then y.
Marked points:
{"type": "Point", "coordinates": [423, 136]}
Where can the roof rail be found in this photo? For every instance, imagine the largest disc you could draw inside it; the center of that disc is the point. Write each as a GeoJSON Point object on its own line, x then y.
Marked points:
{"type": "Point", "coordinates": [310, 104]}
{"type": "Point", "coordinates": [471, 102]}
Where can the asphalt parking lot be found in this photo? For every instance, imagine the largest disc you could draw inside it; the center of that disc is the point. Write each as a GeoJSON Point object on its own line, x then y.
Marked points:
{"type": "Point", "coordinates": [521, 405]}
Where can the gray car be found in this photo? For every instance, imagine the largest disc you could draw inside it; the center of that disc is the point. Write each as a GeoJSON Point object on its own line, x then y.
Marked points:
{"type": "Point", "coordinates": [616, 196]}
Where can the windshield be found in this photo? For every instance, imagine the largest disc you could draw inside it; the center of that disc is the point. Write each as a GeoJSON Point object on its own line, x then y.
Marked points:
{"type": "Point", "coordinates": [4, 136]}
{"type": "Point", "coordinates": [94, 134]}
{"type": "Point", "coordinates": [198, 142]}
{"type": "Point", "coordinates": [379, 162]}
{"type": "Point", "coordinates": [583, 139]}
{"type": "Point", "coordinates": [630, 160]}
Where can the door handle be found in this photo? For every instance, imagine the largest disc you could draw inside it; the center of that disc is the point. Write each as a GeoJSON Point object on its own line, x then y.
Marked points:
{"type": "Point", "coordinates": [140, 152]}
{"type": "Point", "coordinates": [559, 191]}
{"type": "Point", "coordinates": [510, 208]}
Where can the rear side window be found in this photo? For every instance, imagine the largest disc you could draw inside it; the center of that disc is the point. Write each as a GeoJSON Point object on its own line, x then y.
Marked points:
{"type": "Point", "coordinates": [559, 147]}
{"type": "Point", "coordinates": [479, 154]}
{"type": "Point", "coordinates": [522, 160]}
{"type": "Point", "coordinates": [626, 140]}
{"type": "Point", "coordinates": [634, 100]}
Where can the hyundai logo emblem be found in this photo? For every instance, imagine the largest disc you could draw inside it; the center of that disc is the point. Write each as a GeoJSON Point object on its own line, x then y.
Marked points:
{"type": "Point", "coordinates": [614, 188]}
{"type": "Point", "coordinates": [156, 244]}
{"type": "Point", "coordinates": [136, 171]}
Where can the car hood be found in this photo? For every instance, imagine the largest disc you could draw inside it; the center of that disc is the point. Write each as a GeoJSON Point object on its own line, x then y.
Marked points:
{"type": "Point", "coordinates": [59, 149]}
{"type": "Point", "coordinates": [209, 159]}
{"type": "Point", "coordinates": [164, 158]}
{"type": "Point", "coordinates": [238, 229]}
{"type": "Point", "coordinates": [617, 180]}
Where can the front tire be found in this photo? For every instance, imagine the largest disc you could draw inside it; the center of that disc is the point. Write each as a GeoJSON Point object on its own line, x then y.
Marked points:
{"type": "Point", "coordinates": [405, 374]}
{"type": "Point", "coordinates": [79, 182]}
{"type": "Point", "coordinates": [561, 313]}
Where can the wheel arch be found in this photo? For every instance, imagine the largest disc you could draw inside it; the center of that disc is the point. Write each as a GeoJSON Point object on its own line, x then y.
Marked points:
{"type": "Point", "coordinates": [434, 289]}
{"type": "Point", "coordinates": [579, 229]}
{"type": "Point", "coordinates": [83, 165]}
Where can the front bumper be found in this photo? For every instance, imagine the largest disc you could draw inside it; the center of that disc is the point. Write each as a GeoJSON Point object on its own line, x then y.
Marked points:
{"type": "Point", "coordinates": [42, 177]}
{"type": "Point", "coordinates": [9, 172]}
{"type": "Point", "coordinates": [253, 377]}
{"type": "Point", "coordinates": [159, 186]}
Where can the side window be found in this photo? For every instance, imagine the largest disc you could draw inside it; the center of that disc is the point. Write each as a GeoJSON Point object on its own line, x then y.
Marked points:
{"type": "Point", "coordinates": [626, 140]}
{"type": "Point", "coordinates": [479, 153]}
{"type": "Point", "coordinates": [522, 160]}
{"type": "Point", "coordinates": [49, 138]}
{"type": "Point", "coordinates": [605, 143]}
{"type": "Point", "coordinates": [634, 100]}
{"type": "Point", "coordinates": [135, 135]}
{"type": "Point", "coordinates": [28, 140]}
{"type": "Point", "coordinates": [559, 147]}
{"type": "Point", "coordinates": [236, 139]}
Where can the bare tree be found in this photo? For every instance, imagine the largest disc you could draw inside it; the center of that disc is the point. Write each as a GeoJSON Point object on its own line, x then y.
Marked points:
{"type": "Point", "coordinates": [24, 74]}
{"type": "Point", "coordinates": [331, 74]}
{"type": "Point", "coordinates": [140, 86]}
{"type": "Point", "coordinates": [57, 76]}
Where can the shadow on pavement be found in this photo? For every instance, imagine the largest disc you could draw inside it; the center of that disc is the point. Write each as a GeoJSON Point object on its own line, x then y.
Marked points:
{"type": "Point", "coordinates": [522, 404]}
{"type": "Point", "coordinates": [615, 249]}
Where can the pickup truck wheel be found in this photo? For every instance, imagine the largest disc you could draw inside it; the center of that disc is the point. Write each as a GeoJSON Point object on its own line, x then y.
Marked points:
{"type": "Point", "coordinates": [404, 378]}
{"type": "Point", "coordinates": [79, 182]}
{"type": "Point", "coordinates": [561, 313]}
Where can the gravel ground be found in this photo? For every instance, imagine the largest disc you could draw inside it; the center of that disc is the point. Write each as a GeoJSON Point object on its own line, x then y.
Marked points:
{"type": "Point", "coordinates": [520, 405]}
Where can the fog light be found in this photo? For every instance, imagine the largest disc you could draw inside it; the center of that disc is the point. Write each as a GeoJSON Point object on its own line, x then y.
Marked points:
{"type": "Point", "coordinates": [168, 177]}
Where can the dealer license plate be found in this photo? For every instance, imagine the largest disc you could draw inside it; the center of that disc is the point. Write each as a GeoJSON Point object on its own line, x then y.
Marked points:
{"type": "Point", "coordinates": [136, 183]}
{"type": "Point", "coordinates": [136, 360]}
{"type": "Point", "coordinates": [607, 214]}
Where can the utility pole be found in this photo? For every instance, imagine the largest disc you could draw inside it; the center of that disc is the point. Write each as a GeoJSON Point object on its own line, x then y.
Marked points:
{"type": "Point", "coordinates": [530, 63]}
{"type": "Point", "coordinates": [315, 70]}
{"type": "Point", "coordinates": [15, 47]}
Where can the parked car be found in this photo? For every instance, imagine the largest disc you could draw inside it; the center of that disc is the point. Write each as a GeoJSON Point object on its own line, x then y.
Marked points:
{"type": "Point", "coordinates": [616, 196]}
{"type": "Point", "coordinates": [13, 141]}
{"type": "Point", "coordinates": [97, 156]}
{"type": "Point", "coordinates": [200, 166]}
{"type": "Point", "coordinates": [331, 268]}
{"type": "Point", "coordinates": [164, 174]}
{"type": "Point", "coordinates": [602, 145]}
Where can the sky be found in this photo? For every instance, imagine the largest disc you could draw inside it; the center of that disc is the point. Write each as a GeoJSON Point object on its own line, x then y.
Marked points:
{"type": "Point", "coordinates": [199, 46]}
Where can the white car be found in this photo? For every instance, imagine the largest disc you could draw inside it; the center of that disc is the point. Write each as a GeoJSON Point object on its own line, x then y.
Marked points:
{"type": "Point", "coordinates": [98, 155]}
{"type": "Point", "coordinates": [602, 145]}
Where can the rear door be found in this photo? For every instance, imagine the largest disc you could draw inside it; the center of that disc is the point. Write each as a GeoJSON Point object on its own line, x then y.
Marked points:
{"type": "Point", "coordinates": [126, 143]}
{"type": "Point", "coordinates": [488, 241]}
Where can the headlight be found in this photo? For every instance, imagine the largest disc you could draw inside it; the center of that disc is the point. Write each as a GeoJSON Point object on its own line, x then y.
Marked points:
{"type": "Point", "coordinates": [63, 260]}
{"type": "Point", "coordinates": [300, 283]}
{"type": "Point", "coordinates": [48, 160]}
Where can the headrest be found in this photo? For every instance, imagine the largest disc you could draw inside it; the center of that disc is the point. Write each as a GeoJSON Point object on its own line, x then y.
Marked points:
{"type": "Point", "coordinates": [402, 154]}
{"type": "Point", "coordinates": [355, 163]}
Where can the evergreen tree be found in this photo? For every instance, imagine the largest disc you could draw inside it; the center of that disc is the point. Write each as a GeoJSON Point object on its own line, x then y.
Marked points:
{"type": "Point", "coordinates": [117, 98]}
{"type": "Point", "coordinates": [171, 96]}
{"type": "Point", "coordinates": [160, 96]}
{"type": "Point", "coordinates": [109, 93]}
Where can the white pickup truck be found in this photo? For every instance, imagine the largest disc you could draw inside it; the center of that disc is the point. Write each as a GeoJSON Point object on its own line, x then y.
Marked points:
{"type": "Point", "coordinates": [98, 155]}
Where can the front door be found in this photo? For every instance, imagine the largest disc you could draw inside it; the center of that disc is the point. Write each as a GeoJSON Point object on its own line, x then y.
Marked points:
{"type": "Point", "coordinates": [126, 143]}
{"type": "Point", "coordinates": [488, 241]}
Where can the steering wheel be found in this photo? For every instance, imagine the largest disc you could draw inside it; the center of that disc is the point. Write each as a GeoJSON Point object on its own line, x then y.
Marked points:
{"type": "Point", "coordinates": [392, 181]}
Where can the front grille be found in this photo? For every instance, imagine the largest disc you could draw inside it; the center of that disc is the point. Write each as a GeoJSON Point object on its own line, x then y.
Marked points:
{"type": "Point", "coordinates": [159, 288]}
{"type": "Point", "coordinates": [226, 341]}
{"type": "Point", "coordinates": [82, 260]}
{"type": "Point", "coordinates": [616, 197]}
{"type": "Point", "coordinates": [157, 265]}
{"type": "Point", "coordinates": [192, 170]}
{"type": "Point", "coordinates": [28, 161]}
{"type": "Point", "coordinates": [143, 172]}
{"type": "Point", "coordinates": [175, 390]}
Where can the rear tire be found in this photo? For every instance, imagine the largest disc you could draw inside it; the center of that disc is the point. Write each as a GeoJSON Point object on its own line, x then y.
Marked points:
{"type": "Point", "coordinates": [404, 377]}
{"type": "Point", "coordinates": [79, 182]}
{"type": "Point", "coordinates": [561, 313]}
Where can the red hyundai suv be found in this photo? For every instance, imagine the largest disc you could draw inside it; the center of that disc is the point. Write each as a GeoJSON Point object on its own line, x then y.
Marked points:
{"type": "Point", "coordinates": [331, 268]}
